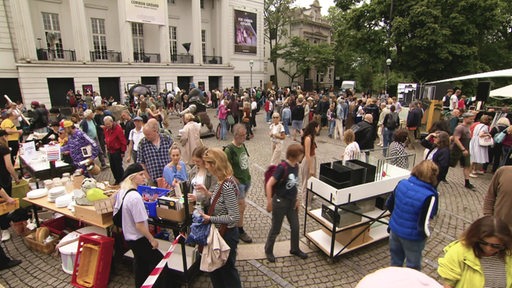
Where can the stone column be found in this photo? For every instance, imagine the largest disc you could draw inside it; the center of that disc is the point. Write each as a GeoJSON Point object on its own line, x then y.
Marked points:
{"type": "Point", "coordinates": [125, 33]}
{"type": "Point", "coordinates": [79, 26]}
{"type": "Point", "coordinates": [165, 50]}
{"type": "Point", "coordinates": [226, 24]}
{"type": "Point", "coordinates": [196, 32]}
{"type": "Point", "coordinates": [22, 28]}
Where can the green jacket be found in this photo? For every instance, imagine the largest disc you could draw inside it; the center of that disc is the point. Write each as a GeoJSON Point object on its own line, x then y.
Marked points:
{"type": "Point", "coordinates": [460, 267]}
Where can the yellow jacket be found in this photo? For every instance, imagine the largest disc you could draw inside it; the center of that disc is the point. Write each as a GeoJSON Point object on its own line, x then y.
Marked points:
{"type": "Point", "coordinates": [460, 267]}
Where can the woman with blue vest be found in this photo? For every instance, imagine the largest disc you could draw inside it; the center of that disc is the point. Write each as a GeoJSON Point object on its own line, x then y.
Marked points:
{"type": "Point", "coordinates": [412, 204]}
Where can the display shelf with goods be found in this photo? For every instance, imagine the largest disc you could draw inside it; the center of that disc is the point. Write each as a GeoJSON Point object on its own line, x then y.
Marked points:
{"type": "Point", "coordinates": [178, 218]}
{"type": "Point", "coordinates": [351, 217]}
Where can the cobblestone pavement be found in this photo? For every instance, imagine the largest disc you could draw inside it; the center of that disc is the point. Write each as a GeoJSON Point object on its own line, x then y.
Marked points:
{"type": "Point", "coordinates": [458, 208]}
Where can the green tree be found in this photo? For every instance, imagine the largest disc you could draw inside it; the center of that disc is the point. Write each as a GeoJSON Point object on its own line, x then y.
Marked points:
{"type": "Point", "coordinates": [277, 14]}
{"type": "Point", "coordinates": [301, 55]}
{"type": "Point", "coordinates": [426, 39]}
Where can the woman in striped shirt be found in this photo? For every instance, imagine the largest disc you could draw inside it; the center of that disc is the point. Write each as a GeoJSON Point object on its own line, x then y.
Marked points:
{"type": "Point", "coordinates": [224, 214]}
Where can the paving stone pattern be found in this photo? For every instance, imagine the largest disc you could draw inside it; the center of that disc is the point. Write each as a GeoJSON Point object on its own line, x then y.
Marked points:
{"type": "Point", "coordinates": [458, 207]}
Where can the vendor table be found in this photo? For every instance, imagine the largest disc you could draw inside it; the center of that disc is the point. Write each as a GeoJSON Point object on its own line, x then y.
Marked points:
{"type": "Point", "coordinates": [41, 169]}
{"type": "Point", "coordinates": [43, 202]}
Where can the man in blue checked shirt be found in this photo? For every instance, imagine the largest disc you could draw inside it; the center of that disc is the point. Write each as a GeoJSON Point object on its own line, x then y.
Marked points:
{"type": "Point", "coordinates": [153, 152]}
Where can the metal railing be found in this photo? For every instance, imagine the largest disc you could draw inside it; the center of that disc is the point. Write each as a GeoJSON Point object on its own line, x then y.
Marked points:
{"type": "Point", "coordinates": [146, 57]}
{"type": "Point", "coordinates": [212, 59]}
{"type": "Point", "coordinates": [106, 56]}
{"type": "Point", "coordinates": [55, 54]}
{"type": "Point", "coordinates": [182, 58]}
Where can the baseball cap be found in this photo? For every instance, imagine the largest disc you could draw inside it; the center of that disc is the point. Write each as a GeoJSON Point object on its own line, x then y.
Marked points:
{"type": "Point", "coordinates": [138, 118]}
{"type": "Point", "coordinates": [134, 168]}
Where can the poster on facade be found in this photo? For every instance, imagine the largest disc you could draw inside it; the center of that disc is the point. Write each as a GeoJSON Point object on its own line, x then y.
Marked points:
{"type": "Point", "coordinates": [246, 39]}
{"type": "Point", "coordinates": [146, 11]}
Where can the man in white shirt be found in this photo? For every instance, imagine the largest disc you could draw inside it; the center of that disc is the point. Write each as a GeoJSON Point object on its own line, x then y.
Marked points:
{"type": "Point", "coordinates": [97, 100]}
{"type": "Point", "coordinates": [254, 109]}
{"type": "Point", "coordinates": [454, 99]}
{"type": "Point", "coordinates": [134, 138]}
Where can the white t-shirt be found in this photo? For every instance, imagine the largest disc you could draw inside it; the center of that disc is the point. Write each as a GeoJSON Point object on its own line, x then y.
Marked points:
{"type": "Point", "coordinates": [133, 212]}
{"type": "Point", "coordinates": [97, 101]}
{"type": "Point", "coordinates": [135, 136]}
{"type": "Point", "coordinates": [453, 101]}
{"type": "Point", "coordinates": [351, 151]}
{"type": "Point", "coordinates": [276, 129]}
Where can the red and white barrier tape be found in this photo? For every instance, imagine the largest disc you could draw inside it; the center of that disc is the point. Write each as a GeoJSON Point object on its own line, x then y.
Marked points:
{"type": "Point", "coordinates": [150, 281]}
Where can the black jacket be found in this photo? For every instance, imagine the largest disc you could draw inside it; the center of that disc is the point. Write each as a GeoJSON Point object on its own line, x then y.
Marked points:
{"type": "Point", "coordinates": [364, 135]}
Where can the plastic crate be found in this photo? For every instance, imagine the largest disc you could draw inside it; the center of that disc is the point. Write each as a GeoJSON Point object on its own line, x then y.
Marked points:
{"type": "Point", "coordinates": [61, 225]}
{"type": "Point", "coordinates": [92, 262]}
{"type": "Point", "coordinates": [150, 197]}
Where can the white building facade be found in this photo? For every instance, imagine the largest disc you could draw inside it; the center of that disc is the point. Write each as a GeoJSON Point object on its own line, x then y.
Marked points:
{"type": "Point", "coordinates": [51, 46]}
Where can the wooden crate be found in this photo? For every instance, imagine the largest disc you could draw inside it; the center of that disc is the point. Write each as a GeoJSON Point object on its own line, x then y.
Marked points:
{"type": "Point", "coordinates": [89, 214]}
{"type": "Point", "coordinates": [6, 208]}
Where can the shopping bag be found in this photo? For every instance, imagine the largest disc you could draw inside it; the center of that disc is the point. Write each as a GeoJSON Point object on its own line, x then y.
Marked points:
{"type": "Point", "coordinates": [215, 253]}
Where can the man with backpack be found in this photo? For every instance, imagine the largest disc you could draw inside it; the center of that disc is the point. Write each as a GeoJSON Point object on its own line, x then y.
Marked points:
{"type": "Point", "coordinates": [390, 123]}
{"type": "Point", "coordinates": [238, 157]}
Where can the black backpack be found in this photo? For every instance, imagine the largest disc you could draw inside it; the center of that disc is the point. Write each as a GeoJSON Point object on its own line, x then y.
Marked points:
{"type": "Point", "coordinates": [392, 122]}
{"type": "Point", "coordinates": [118, 217]}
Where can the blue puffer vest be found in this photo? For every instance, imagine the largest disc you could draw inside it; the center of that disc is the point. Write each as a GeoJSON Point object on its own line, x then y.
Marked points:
{"type": "Point", "coordinates": [410, 197]}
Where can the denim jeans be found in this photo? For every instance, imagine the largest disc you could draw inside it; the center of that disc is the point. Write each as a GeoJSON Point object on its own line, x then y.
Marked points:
{"type": "Point", "coordinates": [223, 128]}
{"type": "Point", "coordinates": [283, 207]}
{"type": "Point", "coordinates": [387, 139]}
{"type": "Point", "coordinates": [286, 123]}
{"type": "Point", "coordinates": [227, 275]}
{"type": "Point", "coordinates": [405, 250]}
{"type": "Point", "coordinates": [332, 125]}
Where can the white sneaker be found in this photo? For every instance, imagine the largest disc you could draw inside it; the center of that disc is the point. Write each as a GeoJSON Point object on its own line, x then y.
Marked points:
{"type": "Point", "coordinates": [5, 235]}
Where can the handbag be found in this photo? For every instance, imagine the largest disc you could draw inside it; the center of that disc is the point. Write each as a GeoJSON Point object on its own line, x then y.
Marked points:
{"type": "Point", "coordinates": [499, 137]}
{"type": "Point", "coordinates": [215, 253]}
{"type": "Point", "coordinates": [485, 141]}
{"type": "Point", "coordinates": [231, 120]}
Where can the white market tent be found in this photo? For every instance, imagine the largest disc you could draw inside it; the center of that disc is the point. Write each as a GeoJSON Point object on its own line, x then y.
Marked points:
{"type": "Point", "coordinates": [502, 93]}
{"type": "Point", "coordinates": [491, 74]}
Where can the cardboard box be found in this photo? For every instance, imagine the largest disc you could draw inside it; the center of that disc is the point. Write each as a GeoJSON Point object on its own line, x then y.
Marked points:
{"type": "Point", "coordinates": [345, 236]}
{"type": "Point", "coordinates": [168, 209]}
{"type": "Point", "coordinates": [89, 214]}
{"type": "Point", "coordinates": [366, 205]}
{"type": "Point", "coordinates": [343, 217]}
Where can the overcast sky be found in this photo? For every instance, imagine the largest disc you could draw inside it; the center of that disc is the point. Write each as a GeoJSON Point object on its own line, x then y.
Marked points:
{"type": "Point", "coordinates": [324, 3]}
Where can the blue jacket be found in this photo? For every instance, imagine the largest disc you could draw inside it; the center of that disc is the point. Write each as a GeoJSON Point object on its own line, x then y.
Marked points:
{"type": "Point", "coordinates": [408, 205]}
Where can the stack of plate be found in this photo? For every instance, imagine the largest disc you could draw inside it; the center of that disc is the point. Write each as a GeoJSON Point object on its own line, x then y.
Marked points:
{"type": "Point", "coordinates": [56, 192]}
{"type": "Point", "coordinates": [63, 201]}
{"type": "Point", "coordinates": [38, 193]}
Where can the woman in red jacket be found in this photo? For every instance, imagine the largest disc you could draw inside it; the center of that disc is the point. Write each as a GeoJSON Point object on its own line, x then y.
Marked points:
{"type": "Point", "coordinates": [116, 146]}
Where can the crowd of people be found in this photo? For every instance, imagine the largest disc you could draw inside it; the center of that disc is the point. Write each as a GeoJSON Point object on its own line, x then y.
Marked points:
{"type": "Point", "coordinates": [220, 179]}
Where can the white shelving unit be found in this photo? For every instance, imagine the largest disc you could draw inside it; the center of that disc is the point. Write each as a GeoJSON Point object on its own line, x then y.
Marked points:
{"type": "Point", "coordinates": [376, 219]}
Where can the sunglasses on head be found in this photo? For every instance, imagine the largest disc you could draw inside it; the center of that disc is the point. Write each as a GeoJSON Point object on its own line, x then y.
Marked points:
{"type": "Point", "coordinates": [492, 245]}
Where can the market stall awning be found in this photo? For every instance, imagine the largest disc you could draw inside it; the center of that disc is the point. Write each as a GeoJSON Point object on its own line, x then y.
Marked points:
{"type": "Point", "coordinates": [491, 74]}
{"type": "Point", "coordinates": [502, 93]}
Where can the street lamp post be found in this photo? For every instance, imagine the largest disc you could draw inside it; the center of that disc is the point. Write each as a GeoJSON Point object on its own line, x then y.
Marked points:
{"type": "Point", "coordinates": [251, 64]}
{"type": "Point", "coordinates": [388, 64]}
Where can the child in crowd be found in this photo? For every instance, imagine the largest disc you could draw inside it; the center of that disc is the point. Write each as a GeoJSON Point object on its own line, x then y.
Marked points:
{"type": "Point", "coordinates": [282, 200]}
